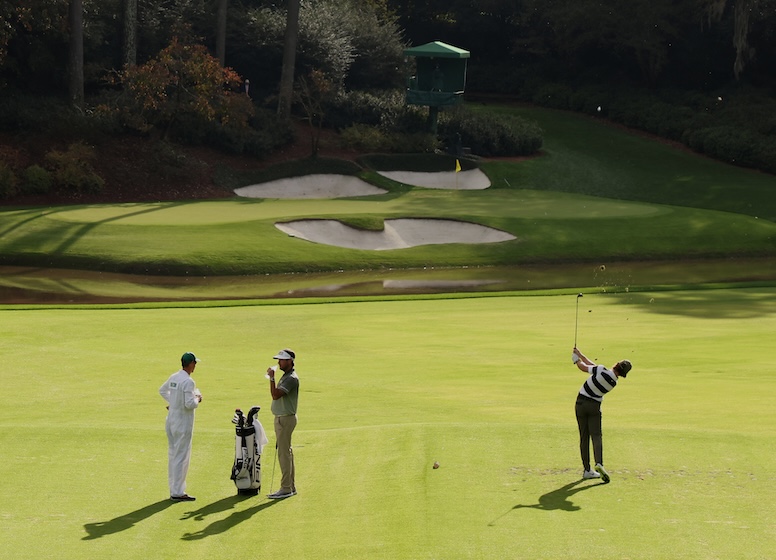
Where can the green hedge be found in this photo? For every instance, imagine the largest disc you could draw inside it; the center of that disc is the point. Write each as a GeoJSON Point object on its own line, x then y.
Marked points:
{"type": "Point", "coordinates": [8, 181]}
{"type": "Point", "coordinates": [384, 122]}
{"type": "Point", "coordinates": [266, 133]}
{"type": "Point", "coordinates": [36, 180]}
{"type": "Point", "coordinates": [365, 138]}
{"type": "Point", "coordinates": [490, 135]}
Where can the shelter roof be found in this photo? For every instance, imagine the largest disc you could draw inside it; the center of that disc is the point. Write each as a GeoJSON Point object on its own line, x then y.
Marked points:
{"type": "Point", "coordinates": [437, 49]}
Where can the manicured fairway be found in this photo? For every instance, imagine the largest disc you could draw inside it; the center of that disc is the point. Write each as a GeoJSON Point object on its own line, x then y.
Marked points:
{"type": "Point", "coordinates": [485, 386]}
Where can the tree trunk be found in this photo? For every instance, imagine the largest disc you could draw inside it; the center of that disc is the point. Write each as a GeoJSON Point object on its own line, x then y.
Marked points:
{"type": "Point", "coordinates": [129, 48]}
{"type": "Point", "coordinates": [76, 58]}
{"type": "Point", "coordinates": [744, 52]}
{"type": "Point", "coordinates": [743, 12]}
{"type": "Point", "coordinates": [221, 32]}
{"type": "Point", "coordinates": [289, 59]}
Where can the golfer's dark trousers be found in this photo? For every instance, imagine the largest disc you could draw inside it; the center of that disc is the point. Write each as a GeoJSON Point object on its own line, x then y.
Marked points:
{"type": "Point", "coordinates": [589, 421]}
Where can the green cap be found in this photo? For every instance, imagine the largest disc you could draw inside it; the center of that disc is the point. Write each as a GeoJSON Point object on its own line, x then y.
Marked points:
{"type": "Point", "coordinates": [187, 358]}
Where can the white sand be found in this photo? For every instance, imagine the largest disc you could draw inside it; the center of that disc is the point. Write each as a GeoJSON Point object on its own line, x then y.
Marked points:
{"type": "Point", "coordinates": [397, 234]}
{"type": "Point", "coordinates": [473, 179]}
{"type": "Point", "coordinates": [341, 186]}
{"type": "Point", "coordinates": [311, 186]}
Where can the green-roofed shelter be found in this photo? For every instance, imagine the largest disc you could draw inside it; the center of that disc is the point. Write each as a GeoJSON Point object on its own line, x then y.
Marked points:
{"type": "Point", "coordinates": [440, 77]}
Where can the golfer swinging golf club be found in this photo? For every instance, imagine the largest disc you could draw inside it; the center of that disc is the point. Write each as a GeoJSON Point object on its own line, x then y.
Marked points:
{"type": "Point", "coordinates": [588, 409]}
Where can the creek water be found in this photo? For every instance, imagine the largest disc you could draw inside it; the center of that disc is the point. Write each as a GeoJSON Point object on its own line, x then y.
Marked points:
{"type": "Point", "coordinates": [21, 285]}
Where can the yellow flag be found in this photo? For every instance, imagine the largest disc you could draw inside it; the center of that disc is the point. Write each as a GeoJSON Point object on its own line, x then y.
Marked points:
{"type": "Point", "coordinates": [457, 166]}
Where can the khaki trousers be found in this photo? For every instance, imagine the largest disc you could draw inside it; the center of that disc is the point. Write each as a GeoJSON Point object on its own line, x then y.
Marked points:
{"type": "Point", "coordinates": [284, 427]}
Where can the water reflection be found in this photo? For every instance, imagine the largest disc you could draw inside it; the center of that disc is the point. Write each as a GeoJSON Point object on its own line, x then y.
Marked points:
{"type": "Point", "coordinates": [32, 285]}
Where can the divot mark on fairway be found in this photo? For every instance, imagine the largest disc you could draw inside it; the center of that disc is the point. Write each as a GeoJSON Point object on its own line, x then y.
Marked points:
{"type": "Point", "coordinates": [397, 234]}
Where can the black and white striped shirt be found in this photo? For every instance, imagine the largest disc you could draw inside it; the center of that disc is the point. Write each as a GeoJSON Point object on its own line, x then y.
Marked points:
{"type": "Point", "coordinates": [600, 382]}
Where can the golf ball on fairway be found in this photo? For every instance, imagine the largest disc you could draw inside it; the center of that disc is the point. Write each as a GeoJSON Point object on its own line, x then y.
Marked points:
{"type": "Point", "coordinates": [436, 465]}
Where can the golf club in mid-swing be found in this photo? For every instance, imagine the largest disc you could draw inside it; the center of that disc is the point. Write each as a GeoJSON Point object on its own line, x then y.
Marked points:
{"type": "Point", "coordinates": [576, 322]}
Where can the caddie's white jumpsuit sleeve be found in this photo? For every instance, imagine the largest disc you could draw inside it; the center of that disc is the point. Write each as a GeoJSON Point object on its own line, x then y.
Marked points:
{"type": "Point", "coordinates": [178, 391]}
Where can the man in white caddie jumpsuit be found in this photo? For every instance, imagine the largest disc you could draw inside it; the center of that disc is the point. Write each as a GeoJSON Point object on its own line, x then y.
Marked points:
{"type": "Point", "coordinates": [182, 398]}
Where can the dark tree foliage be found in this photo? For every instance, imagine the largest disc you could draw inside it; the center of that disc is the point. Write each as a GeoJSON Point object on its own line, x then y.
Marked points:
{"type": "Point", "coordinates": [700, 44]}
{"type": "Point", "coordinates": [673, 67]}
{"type": "Point", "coordinates": [684, 43]}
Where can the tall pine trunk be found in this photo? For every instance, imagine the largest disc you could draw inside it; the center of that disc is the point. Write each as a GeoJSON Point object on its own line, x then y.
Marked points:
{"type": "Point", "coordinates": [76, 54]}
{"type": "Point", "coordinates": [221, 32]}
{"type": "Point", "coordinates": [129, 48]}
{"type": "Point", "coordinates": [289, 60]}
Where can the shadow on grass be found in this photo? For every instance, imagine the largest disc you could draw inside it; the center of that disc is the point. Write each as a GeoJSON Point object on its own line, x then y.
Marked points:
{"type": "Point", "coordinates": [79, 231]}
{"type": "Point", "coordinates": [32, 214]}
{"type": "Point", "coordinates": [223, 525]}
{"type": "Point", "coordinates": [717, 304]}
{"type": "Point", "coordinates": [216, 507]}
{"type": "Point", "coordinates": [555, 500]}
{"type": "Point", "coordinates": [68, 233]}
{"type": "Point", "coordinates": [124, 522]}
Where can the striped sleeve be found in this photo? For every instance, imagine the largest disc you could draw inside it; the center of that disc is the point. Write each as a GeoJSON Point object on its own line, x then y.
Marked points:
{"type": "Point", "coordinates": [600, 382]}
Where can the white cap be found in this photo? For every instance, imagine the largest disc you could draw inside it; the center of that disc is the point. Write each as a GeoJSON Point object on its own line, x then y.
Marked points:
{"type": "Point", "coordinates": [285, 355]}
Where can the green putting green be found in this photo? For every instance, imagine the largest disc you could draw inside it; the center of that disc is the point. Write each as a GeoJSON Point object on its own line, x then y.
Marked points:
{"type": "Point", "coordinates": [519, 204]}
{"type": "Point", "coordinates": [239, 237]}
{"type": "Point", "coordinates": [483, 386]}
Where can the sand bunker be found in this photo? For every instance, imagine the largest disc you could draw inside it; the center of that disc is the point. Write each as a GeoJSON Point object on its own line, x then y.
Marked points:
{"type": "Point", "coordinates": [397, 234]}
{"type": "Point", "coordinates": [311, 186]}
{"type": "Point", "coordinates": [341, 186]}
{"type": "Point", "coordinates": [474, 179]}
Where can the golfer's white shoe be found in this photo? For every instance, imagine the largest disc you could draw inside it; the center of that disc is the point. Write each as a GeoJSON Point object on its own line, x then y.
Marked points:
{"type": "Point", "coordinates": [590, 474]}
{"type": "Point", "coordinates": [280, 494]}
{"type": "Point", "coordinates": [602, 471]}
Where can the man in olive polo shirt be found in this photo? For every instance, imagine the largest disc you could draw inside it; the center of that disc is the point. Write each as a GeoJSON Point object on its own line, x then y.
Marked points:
{"type": "Point", "coordinates": [285, 396]}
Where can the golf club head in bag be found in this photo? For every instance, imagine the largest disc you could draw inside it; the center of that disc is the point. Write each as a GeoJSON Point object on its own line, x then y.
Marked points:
{"type": "Point", "coordinates": [252, 414]}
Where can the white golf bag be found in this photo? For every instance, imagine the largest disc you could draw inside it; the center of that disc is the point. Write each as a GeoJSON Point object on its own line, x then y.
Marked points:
{"type": "Point", "coordinates": [250, 439]}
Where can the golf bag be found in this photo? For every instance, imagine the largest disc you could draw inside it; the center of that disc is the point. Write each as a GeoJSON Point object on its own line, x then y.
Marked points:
{"type": "Point", "coordinates": [250, 439]}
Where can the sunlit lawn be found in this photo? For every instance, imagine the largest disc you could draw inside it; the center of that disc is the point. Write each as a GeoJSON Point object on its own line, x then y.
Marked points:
{"type": "Point", "coordinates": [484, 386]}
